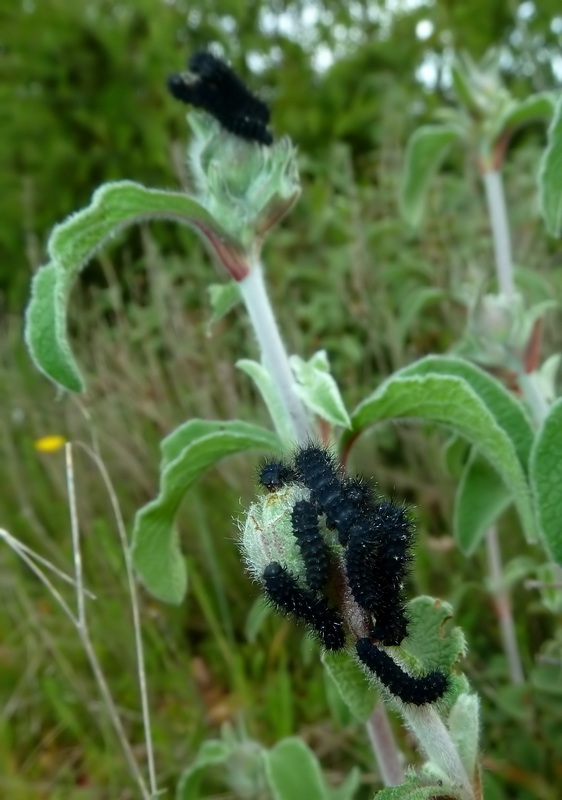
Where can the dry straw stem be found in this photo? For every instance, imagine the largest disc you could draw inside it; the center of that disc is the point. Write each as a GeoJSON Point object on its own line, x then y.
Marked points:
{"type": "Point", "coordinates": [135, 610]}
{"type": "Point", "coordinates": [40, 567]}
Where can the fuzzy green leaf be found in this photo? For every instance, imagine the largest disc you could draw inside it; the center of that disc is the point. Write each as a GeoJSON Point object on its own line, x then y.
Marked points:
{"type": "Point", "coordinates": [455, 453]}
{"type": "Point", "coordinates": [318, 390]}
{"type": "Point", "coordinates": [536, 107]}
{"type": "Point", "coordinates": [546, 674]}
{"type": "Point", "coordinates": [276, 407]}
{"type": "Point", "coordinates": [426, 150]}
{"type": "Point", "coordinates": [347, 789]}
{"type": "Point", "coordinates": [413, 306]}
{"type": "Point", "coordinates": [410, 791]}
{"type": "Point", "coordinates": [433, 638]}
{"type": "Point", "coordinates": [546, 480]}
{"type": "Point", "coordinates": [508, 412]}
{"type": "Point", "coordinates": [550, 175]}
{"type": "Point", "coordinates": [293, 772]}
{"type": "Point", "coordinates": [156, 551]}
{"type": "Point", "coordinates": [181, 437]}
{"type": "Point", "coordinates": [211, 753]}
{"type": "Point", "coordinates": [71, 245]}
{"type": "Point", "coordinates": [462, 84]}
{"type": "Point", "coordinates": [223, 298]}
{"type": "Point", "coordinates": [359, 694]}
{"type": "Point", "coordinates": [550, 576]}
{"type": "Point", "coordinates": [464, 726]}
{"type": "Point", "coordinates": [45, 331]}
{"type": "Point", "coordinates": [481, 498]}
{"type": "Point", "coordinates": [450, 401]}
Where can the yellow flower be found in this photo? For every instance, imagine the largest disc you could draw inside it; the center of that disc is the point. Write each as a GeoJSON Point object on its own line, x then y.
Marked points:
{"type": "Point", "coordinates": [49, 444]}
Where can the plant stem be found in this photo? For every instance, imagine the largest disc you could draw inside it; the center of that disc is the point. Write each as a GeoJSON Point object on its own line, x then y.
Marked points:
{"type": "Point", "coordinates": [503, 608]}
{"type": "Point", "coordinates": [504, 270]}
{"type": "Point", "coordinates": [495, 196]}
{"type": "Point", "coordinates": [273, 354]}
{"type": "Point", "coordinates": [438, 746]}
{"type": "Point", "coordinates": [493, 185]}
{"type": "Point", "coordinates": [387, 754]}
{"type": "Point", "coordinates": [384, 746]}
{"type": "Point", "coordinates": [276, 361]}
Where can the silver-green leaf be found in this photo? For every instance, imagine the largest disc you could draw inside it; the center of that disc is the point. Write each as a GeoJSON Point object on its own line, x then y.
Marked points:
{"type": "Point", "coordinates": [480, 500]}
{"type": "Point", "coordinates": [410, 791]}
{"type": "Point", "coordinates": [71, 245]}
{"type": "Point", "coordinates": [318, 390]}
{"type": "Point", "coordinates": [277, 409]}
{"type": "Point", "coordinates": [508, 411]}
{"type": "Point", "coordinates": [211, 753]}
{"type": "Point", "coordinates": [186, 454]}
{"type": "Point", "coordinates": [464, 725]}
{"type": "Point", "coordinates": [546, 480]}
{"type": "Point", "coordinates": [426, 149]}
{"type": "Point", "coordinates": [538, 106]}
{"type": "Point", "coordinates": [223, 298]}
{"type": "Point", "coordinates": [450, 401]}
{"type": "Point", "coordinates": [45, 331]}
{"type": "Point", "coordinates": [293, 772]}
{"type": "Point", "coordinates": [359, 694]}
{"type": "Point", "coordinates": [550, 175]}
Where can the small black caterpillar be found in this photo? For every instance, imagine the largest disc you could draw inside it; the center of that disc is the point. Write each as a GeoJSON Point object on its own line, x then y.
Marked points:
{"type": "Point", "coordinates": [273, 474]}
{"type": "Point", "coordinates": [316, 467]}
{"type": "Point", "coordinates": [221, 77]}
{"type": "Point", "coordinates": [214, 87]}
{"type": "Point", "coordinates": [284, 592]}
{"type": "Point", "coordinates": [377, 560]}
{"type": "Point", "coordinates": [417, 691]}
{"type": "Point", "coordinates": [315, 555]}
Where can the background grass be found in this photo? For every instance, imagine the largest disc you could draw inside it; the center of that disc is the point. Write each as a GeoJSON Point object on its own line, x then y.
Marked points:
{"type": "Point", "coordinates": [345, 275]}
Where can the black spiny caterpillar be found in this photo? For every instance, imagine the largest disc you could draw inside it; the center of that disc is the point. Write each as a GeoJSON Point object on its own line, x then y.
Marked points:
{"type": "Point", "coordinates": [317, 469]}
{"type": "Point", "coordinates": [314, 551]}
{"type": "Point", "coordinates": [416, 690]}
{"type": "Point", "coordinates": [377, 561]}
{"type": "Point", "coordinates": [214, 87]}
{"type": "Point", "coordinates": [284, 592]}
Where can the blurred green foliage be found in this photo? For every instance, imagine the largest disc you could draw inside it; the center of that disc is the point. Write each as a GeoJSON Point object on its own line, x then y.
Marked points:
{"type": "Point", "coordinates": [82, 101]}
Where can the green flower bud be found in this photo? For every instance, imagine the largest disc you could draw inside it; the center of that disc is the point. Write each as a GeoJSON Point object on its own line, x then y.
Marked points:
{"type": "Point", "coordinates": [267, 533]}
{"type": "Point", "coordinates": [479, 86]}
{"type": "Point", "coordinates": [502, 328]}
{"type": "Point", "coordinates": [247, 187]}
{"type": "Point", "coordinates": [244, 769]}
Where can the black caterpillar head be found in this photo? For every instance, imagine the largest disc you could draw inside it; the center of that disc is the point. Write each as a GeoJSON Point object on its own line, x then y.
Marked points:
{"type": "Point", "coordinates": [273, 474]}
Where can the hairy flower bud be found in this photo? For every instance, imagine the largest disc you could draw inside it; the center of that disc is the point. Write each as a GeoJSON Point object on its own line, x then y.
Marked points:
{"type": "Point", "coordinates": [245, 186]}
{"type": "Point", "coordinates": [502, 328]}
{"type": "Point", "coordinates": [267, 533]}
